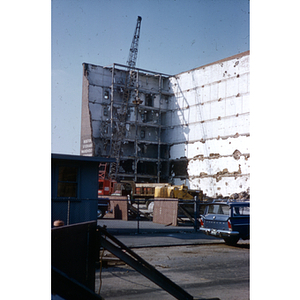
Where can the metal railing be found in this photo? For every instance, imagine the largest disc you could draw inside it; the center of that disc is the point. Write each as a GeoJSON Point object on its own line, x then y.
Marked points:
{"type": "Point", "coordinates": [193, 214]}
{"type": "Point", "coordinates": [74, 210]}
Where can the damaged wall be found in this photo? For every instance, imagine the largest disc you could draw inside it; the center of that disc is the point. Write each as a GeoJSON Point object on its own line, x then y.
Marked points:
{"type": "Point", "coordinates": [86, 139]}
{"type": "Point", "coordinates": [209, 126]}
{"type": "Point", "coordinates": [192, 128]}
{"type": "Point", "coordinates": [104, 92]}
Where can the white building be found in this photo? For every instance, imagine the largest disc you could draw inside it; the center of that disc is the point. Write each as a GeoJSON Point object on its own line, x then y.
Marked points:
{"type": "Point", "coordinates": [191, 128]}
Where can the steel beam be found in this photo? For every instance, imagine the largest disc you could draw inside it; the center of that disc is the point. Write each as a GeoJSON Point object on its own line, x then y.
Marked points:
{"type": "Point", "coordinates": [117, 248]}
{"type": "Point", "coordinates": [139, 264]}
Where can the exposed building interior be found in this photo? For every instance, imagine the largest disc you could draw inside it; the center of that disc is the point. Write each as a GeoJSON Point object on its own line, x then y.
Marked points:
{"type": "Point", "coordinates": [191, 128]}
{"type": "Point", "coordinates": [126, 118]}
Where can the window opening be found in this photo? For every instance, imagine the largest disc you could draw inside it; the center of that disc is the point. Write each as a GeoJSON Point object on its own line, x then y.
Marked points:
{"type": "Point", "coordinates": [101, 185]}
{"type": "Point", "coordinates": [149, 100]}
{"type": "Point", "coordinates": [67, 182]}
{"type": "Point", "coordinates": [149, 116]}
{"type": "Point", "coordinates": [241, 211]}
{"type": "Point", "coordinates": [105, 111]}
{"type": "Point", "coordinates": [106, 95]}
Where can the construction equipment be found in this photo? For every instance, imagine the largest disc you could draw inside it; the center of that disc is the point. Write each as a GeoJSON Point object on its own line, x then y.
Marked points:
{"type": "Point", "coordinates": [148, 193]}
{"type": "Point", "coordinates": [106, 186]}
{"type": "Point", "coordinates": [134, 45]}
{"type": "Point", "coordinates": [157, 190]}
{"type": "Point", "coordinates": [118, 123]}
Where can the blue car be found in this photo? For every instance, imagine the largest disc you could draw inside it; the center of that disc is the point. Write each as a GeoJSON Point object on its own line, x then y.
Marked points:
{"type": "Point", "coordinates": [227, 220]}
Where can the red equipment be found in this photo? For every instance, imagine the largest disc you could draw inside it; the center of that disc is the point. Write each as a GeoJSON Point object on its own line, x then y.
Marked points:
{"type": "Point", "coordinates": [105, 185]}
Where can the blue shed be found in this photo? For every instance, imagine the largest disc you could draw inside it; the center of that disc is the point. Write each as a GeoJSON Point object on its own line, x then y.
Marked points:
{"type": "Point", "coordinates": [74, 187]}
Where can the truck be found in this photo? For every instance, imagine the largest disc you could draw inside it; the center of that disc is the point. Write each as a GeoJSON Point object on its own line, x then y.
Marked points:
{"type": "Point", "coordinates": [106, 186]}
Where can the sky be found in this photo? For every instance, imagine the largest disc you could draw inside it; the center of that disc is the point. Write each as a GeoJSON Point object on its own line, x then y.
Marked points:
{"type": "Point", "coordinates": [176, 36]}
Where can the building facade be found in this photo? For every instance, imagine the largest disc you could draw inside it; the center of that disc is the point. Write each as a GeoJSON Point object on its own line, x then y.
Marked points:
{"type": "Point", "coordinates": [191, 128]}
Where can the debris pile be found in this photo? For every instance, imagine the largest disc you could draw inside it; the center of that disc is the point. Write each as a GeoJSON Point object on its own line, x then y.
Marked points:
{"type": "Point", "coordinates": [242, 196]}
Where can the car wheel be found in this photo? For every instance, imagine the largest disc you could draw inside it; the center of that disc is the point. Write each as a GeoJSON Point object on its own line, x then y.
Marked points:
{"type": "Point", "coordinates": [232, 241]}
{"type": "Point", "coordinates": [100, 214]}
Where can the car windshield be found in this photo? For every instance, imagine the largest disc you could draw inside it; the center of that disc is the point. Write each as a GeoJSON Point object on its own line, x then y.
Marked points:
{"type": "Point", "coordinates": [219, 209]}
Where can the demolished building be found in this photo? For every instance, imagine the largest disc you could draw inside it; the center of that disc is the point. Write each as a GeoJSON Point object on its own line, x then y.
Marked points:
{"type": "Point", "coordinates": [192, 128]}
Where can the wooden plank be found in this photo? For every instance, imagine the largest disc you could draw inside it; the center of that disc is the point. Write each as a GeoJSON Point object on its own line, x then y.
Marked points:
{"type": "Point", "coordinates": [165, 211]}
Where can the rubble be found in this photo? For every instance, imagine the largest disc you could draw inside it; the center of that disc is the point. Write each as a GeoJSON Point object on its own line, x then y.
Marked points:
{"type": "Point", "coordinates": [242, 196]}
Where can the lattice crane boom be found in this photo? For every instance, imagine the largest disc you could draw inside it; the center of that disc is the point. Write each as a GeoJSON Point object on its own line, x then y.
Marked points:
{"type": "Point", "coordinates": [134, 44]}
{"type": "Point", "coordinates": [119, 123]}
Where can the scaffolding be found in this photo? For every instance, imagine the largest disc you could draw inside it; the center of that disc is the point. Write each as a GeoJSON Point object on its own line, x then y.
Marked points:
{"type": "Point", "coordinates": [134, 119]}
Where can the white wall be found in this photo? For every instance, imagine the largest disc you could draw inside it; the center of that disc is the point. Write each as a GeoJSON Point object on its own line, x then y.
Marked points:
{"type": "Point", "coordinates": [210, 122]}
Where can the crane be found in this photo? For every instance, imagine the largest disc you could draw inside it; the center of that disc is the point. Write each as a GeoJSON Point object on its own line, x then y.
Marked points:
{"type": "Point", "coordinates": [119, 122]}
{"type": "Point", "coordinates": [134, 44]}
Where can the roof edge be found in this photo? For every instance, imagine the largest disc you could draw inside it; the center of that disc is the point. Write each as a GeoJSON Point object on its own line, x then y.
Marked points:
{"type": "Point", "coordinates": [217, 62]}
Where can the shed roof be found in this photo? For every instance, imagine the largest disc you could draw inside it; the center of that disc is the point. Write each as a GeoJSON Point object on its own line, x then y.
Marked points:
{"type": "Point", "coordinates": [82, 158]}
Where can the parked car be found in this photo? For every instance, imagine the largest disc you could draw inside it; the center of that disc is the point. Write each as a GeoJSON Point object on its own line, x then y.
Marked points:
{"type": "Point", "coordinates": [227, 220]}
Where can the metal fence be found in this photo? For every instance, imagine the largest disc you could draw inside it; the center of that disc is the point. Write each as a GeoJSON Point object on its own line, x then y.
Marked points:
{"type": "Point", "coordinates": [72, 211]}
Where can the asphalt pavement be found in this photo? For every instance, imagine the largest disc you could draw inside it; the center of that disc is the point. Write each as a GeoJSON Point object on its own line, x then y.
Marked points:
{"type": "Point", "coordinates": [136, 234]}
{"type": "Point", "coordinates": [203, 271]}
{"type": "Point", "coordinates": [202, 265]}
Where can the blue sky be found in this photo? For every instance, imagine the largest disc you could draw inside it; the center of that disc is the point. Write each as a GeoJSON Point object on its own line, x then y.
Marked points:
{"type": "Point", "coordinates": [176, 35]}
